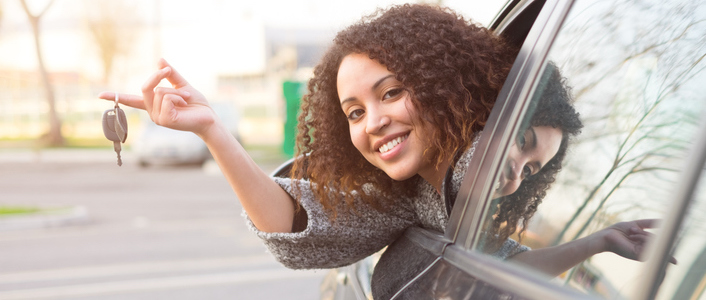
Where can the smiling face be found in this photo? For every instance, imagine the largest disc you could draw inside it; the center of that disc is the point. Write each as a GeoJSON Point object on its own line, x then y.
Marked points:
{"type": "Point", "coordinates": [383, 123]}
{"type": "Point", "coordinates": [531, 151]}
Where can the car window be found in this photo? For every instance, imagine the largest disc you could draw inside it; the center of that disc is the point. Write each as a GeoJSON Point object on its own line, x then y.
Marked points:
{"type": "Point", "coordinates": [443, 280]}
{"type": "Point", "coordinates": [634, 72]}
{"type": "Point", "coordinates": [687, 278]}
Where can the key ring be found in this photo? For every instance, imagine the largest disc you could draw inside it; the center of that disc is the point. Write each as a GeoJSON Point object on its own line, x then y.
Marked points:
{"type": "Point", "coordinates": [122, 132]}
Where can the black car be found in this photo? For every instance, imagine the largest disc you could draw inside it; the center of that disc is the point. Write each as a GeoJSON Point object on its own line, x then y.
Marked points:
{"type": "Point", "coordinates": [637, 72]}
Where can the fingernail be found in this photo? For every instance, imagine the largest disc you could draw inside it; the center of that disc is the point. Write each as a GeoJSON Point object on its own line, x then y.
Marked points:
{"type": "Point", "coordinates": [165, 70]}
{"type": "Point", "coordinates": [186, 94]}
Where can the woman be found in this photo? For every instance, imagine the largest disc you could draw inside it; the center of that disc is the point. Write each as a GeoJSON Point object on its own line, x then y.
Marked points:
{"type": "Point", "coordinates": [518, 195]}
{"type": "Point", "coordinates": [395, 104]}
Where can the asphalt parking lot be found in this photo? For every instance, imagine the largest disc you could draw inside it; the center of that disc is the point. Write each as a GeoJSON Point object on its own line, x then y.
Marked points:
{"type": "Point", "coordinates": [132, 233]}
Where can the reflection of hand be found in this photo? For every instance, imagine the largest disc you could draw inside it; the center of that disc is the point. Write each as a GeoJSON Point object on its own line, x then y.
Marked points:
{"type": "Point", "coordinates": [181, 107]}
{"type": "Point", "coordinates": [628, 239]}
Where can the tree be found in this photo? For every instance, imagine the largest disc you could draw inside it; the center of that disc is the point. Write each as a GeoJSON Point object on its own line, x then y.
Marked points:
{"type": "Point", "coordinates": [647, 118]}
{"type": "Point", "coordinates": [110, 24]}
{"type": "Point", "coordinates": [54, 137]}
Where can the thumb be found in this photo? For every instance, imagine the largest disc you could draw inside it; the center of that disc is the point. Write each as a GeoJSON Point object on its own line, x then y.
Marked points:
{"type": "Point", "coordinates": [173, 76]}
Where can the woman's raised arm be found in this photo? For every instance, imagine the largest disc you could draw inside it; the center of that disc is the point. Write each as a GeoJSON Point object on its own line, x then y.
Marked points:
{"type": "Point", "coordinates": [627, 239]}
{"type": "Point", "coordinates": [182, 107]}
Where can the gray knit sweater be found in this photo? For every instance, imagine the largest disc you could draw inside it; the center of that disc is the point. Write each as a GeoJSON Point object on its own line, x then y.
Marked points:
{"type": "Point", "coordinates": [353, 236]}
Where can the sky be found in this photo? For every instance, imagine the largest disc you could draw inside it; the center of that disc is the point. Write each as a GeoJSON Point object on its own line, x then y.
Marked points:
{"type": "Point", "coordinates": [205, 40]}
{"type": "Point", "coordinates": [203, 36]}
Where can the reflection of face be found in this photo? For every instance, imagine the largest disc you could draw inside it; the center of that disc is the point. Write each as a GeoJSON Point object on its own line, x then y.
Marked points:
{"type": "Point", "coordinates": [383, 122]}
{"type": "Point", "coordinates": [531, 151]}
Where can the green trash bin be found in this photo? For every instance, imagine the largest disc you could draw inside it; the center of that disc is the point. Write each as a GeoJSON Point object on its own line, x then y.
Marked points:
{"type": "Point", "coordinates": [293, 92]}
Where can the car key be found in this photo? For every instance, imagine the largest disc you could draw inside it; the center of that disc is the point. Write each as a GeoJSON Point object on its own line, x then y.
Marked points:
{"type": "Point", "coordinates": [115, 127]}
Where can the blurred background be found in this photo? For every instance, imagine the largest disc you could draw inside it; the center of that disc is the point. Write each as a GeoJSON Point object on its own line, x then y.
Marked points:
{"type": "Point", "coordinates": [74, 225]}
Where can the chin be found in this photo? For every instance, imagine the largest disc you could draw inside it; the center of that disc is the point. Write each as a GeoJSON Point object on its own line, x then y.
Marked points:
{"type": "Point", "coordinates": [399, 176]}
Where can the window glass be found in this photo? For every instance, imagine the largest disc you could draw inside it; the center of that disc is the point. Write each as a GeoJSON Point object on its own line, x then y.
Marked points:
{"type": "Point", "coordinates": [634, 71]}
{"type": "Point", "coordinates": [445, 282]}
{"type": "Point", "coordinates": [687, 278]}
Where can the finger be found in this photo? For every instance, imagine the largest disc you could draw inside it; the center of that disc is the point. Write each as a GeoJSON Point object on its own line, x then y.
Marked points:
{"type": "Point", "coordinates": [647, 223]}
{"type": "Point", "coordinates": [168, 115]}
{"type": "Point", "coordinates": [156, 113]}
{"type": "Point", "coordinates": [174, 77]}
{"type": "Point", "coordinates": [162, 94]}
{"type": "Point", "coordinates": [641, 238]}
{"type": "Point", "coordinates": [125, 99]}
{"type": "Point", "coordinates": [175, 99]}
{"type": "Point", "coordinates": [149, 86]}
{"type": "Point", "coordinates": [162, 91]}
{"type": "Point", "coordinates": [636, 230]}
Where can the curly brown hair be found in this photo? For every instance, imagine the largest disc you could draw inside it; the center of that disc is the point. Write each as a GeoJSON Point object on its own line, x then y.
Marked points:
{"type": "Point", "coordinates": [453, 70]}
{"type": "Point", "coordinates": [553, 107]}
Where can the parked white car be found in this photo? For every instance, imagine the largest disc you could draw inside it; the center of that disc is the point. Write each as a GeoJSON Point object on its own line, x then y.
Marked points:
{"type": "Point", "coordinates": [157, 145]}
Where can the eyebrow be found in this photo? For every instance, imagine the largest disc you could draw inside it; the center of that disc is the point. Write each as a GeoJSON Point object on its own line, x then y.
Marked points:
{"type": "Point", "coordinates": [375, 86]}
{"type": "Point", "coordinates": [533, 145]}
{"type": "Point", "coordinates": [534, 138]}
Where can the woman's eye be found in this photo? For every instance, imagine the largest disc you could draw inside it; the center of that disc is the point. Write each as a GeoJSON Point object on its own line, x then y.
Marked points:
{"type": "Point", "coordinates": [526, 172]}
{"type": "Point", "coordinates": [392, 93]}
{"type": "Point", "coordinates": [355, 114]}
{"type": "Point", "coordinates": [521, 141]}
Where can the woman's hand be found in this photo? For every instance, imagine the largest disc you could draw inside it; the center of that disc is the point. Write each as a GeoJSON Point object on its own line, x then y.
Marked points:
{"type": "Point", "coordinates": [180, 107]}
{"type": "Point", "coordinates": [629, 239]}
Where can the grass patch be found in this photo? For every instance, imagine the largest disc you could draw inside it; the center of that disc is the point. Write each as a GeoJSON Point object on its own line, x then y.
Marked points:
{"type": "Point", "coordinates": [8, 211]}
{"type": "Point", "coordinates": [17, 210]}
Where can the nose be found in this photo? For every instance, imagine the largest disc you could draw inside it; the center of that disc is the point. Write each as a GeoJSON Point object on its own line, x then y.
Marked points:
{"type": "Point", "coordinates": [514, 179]}
{"type": "Point", "coordinates": [376, 120]}
{"type": "Point", "coordinates": [515, 170]}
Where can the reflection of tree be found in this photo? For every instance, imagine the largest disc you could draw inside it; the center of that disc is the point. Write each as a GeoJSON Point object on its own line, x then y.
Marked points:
{"type": "Point", "coordinates": [659, 57]}
{"type": "Point", "coordinates": [53, 137]}
{"type": "Point", "coordinates": [110, 24]}
{"type": "Point", "coordinates": [692, 285]}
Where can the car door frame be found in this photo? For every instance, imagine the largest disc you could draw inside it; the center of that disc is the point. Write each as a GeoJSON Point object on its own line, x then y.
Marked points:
{"type": "Point", "coordinates": [456, 245]}
{"type": "Point", "coordinates": [465, 222]}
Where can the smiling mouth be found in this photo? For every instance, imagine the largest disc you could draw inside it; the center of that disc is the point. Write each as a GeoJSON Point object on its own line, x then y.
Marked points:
{"type": "Point", "coordinates": [391, 144]}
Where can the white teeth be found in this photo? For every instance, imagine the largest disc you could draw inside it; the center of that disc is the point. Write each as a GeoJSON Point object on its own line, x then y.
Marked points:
{"type": "Point", "coordinates": [391, 144]}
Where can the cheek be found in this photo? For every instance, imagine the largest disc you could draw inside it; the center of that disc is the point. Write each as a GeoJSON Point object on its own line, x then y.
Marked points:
{"type": "Point", "coordinates": [358, 139]}
{"type": "Point", "coordinates": [511, 187]}
{"type": "Point", "coordinates": [512, 153]}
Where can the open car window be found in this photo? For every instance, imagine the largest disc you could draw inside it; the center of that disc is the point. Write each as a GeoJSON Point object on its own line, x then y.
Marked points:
{"type": "Point", "coordinates": [634, 72]}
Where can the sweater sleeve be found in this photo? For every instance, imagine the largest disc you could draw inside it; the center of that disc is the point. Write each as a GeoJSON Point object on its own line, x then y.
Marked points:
{"type": "Point", "coordinates": [510, 248]}
{"type": "Point", "coordinates": [332, 243]}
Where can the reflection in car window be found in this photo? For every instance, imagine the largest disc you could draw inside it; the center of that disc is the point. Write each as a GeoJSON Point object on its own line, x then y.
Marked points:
{"type": "Point", "coordinates": [687, 279]}
{"type": "Point", "coordinates": [635, 74]}
{"type": "Point", "coordinates": [445, 281]}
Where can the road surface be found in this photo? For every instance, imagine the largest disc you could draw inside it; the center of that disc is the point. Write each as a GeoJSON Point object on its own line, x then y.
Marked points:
{"type": "Point", "coordinates": [134, 233]}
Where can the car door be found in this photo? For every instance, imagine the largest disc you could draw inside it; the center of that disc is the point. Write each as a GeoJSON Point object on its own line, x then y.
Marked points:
{"type": "Point", "coordinates": [418, 250]}
{"type": "Point", "coordinates": [635, 72]}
